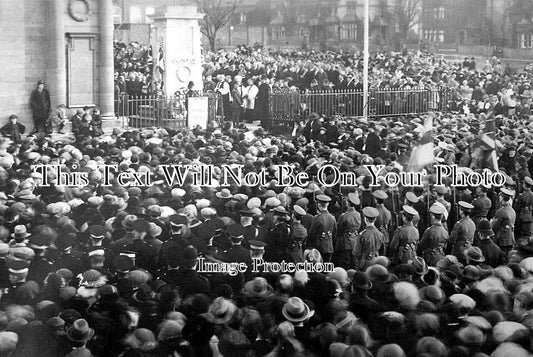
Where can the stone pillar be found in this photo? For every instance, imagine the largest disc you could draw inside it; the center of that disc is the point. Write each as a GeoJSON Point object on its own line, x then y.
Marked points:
{"type": "Point", "coordinates": [106, 70]}
{"type": "Point", "coordinates": [57, 70]}
{"type": "Point", "coordinates": [178, 31]}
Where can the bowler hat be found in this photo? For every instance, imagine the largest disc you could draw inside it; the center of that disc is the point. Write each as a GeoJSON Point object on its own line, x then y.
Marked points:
{"type": "Point", "coordinates": [80, 331]}
{"type": "Point", "coordinates": [295, 310]}
{"type": "Point", "coordinates": [360, 281]}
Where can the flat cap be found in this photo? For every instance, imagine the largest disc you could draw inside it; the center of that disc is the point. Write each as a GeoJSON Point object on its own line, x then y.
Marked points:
{"type": "Point", "coordinates": [379, 194]}
{"type": "Point", "coordinates": [411, 197]}
{"type": "Point", "coordinates": [280, 210]}
{"type": "Point", "coordinates": [17, 266]}
{"type": "Point", "coordinates": [370, 212]}
{"type": "Point", "coordinates": [178, 219]}
{"type": "Point", "coordinates": [441, 190]}
{"type": "Point", "coordinates": [437, 209]}
{"type": "Point", "coordinates": [409, 210]}
{"type": "Point", "coordinates": [97, 230]}
{"type": "Point", "coordinates": [299, 210]}
{"type": "Point", "coordinates": [235, 231]}
{"type": "Point", "coordinates": [507, 192]}
{"type": "Point", "coordinates": [323, 198]}
{"type": "Point", "coordinates": [257, 244]}
{"type": "Point", "coordinates": [465, 205]}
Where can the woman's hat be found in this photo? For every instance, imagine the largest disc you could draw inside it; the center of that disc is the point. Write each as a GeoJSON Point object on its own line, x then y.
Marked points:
{"type": "Point", "coordinates": [295, 310]}
{"type": "Point", "coordinates": [222, 310]}
{"type": "Point", "coordinates": [257, 287]}
{"type": "Point", "coordinates": [474, 254]}
{"type": "Point", "coordinates": [80, 331]}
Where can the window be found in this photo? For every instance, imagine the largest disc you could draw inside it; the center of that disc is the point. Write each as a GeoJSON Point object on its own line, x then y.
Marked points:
{"type": "Point", "coordinates": [439, 12]}
{"type": "Point", "coordinates": [117, 14]}
{"type": "Point", "coordinates": [135, 14]}
{"type": "Point", "coordinates": [242, 18]}
{"type": "Point", "coordinates": [148, 10]}
{"type": "Point", "coordinates": [526, 40]}
{"type": "Point", "coordinates": [440, 36]}
{"type": "Point", "coordinates": [302, 32]}
{"type": "Point", "coordinates": [279, 32]}
{"type": "Point", "coordinates": [351, 31]}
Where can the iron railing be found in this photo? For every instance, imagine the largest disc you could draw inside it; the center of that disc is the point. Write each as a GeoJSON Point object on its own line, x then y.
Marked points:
{"type": "Point", "coordinates": [288, 105]}
{"type": "Point", "coordinates": [162, 111]}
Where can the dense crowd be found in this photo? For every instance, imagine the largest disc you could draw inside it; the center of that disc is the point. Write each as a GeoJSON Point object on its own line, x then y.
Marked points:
{"type": "Point", "coordinates": [96, 268]}
{"type": "Point", "coordinates": [133, 69]}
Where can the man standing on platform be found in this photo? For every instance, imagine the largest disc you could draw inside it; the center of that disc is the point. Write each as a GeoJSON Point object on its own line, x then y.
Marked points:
{"type": "Point", "coordinates": [40, 106]}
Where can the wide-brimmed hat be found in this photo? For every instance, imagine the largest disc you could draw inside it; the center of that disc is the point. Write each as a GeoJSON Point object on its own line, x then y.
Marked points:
{"type": "Point", "coordinates": [222, 310]}
{"type": "Point", "coordinates": [80, 331]}
{"type": "Point", "coordinates": [420, 265]}
{"type": "Point", "coordinates": [257, 287]}
{"type": "Point", "coordinates": [224, 193]}
{"type": "Point", "coordinates": [20, 232]}
{"type": "Point", "coordinates": [474, 254]}
{"type": "Point", "coordinates": [295, 310]}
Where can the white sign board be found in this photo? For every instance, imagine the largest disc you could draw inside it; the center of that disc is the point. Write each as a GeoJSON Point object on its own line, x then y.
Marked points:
{"type": "Point", "coordinates": [197, 114]}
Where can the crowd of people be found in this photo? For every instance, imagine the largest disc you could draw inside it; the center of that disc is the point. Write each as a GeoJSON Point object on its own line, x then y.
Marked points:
{"type": "Point", "coordinates": [92, 264]}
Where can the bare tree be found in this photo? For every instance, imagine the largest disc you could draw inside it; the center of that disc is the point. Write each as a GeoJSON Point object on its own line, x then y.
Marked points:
{"type": "Point", "coordinates": [406, 13]}
{"type": "Point", "coordinates": [290, 12]}
{"type": "Point", "coordinates": [218, 14]}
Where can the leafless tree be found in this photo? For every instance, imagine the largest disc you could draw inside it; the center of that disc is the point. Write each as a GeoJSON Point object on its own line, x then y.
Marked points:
{"type": "Point", "coordinates": [218, 14]}
{"type": "Point", "coordinates": [291, 10]}
{"type": "Point", "coordinates": [407, 13]}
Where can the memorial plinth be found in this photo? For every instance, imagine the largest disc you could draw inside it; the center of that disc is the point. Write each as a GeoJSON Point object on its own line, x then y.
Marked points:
{"type": "Point", "coordinates": [177, 33]}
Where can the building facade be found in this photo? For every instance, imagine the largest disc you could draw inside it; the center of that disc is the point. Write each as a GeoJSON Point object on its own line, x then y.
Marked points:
{"type": "Point", "coordinates": [66, 43]}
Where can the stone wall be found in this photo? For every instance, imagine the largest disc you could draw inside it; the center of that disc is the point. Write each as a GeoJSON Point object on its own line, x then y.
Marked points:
{"type": "Point", "coordinates": [24, 55]}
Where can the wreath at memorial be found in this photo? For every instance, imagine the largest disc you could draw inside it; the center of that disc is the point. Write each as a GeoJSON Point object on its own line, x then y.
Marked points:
{"type": "Point", "coordinates": [75, 14]}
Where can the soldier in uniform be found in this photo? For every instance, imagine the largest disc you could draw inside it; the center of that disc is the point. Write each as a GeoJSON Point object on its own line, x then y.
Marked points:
{"type": "Point", "coordinates": [504, 221]}
{"type": "Point", "coordinates": [482, 205]}
{"type": "Point", "coordinates": [307, 220]}
{"type": "Point", "coordinates": [324, 229]}
{"type": "Point", "coordinates": [370, 240]}
{"type": "Point", "coordinates": [384, 218]}
{"type": "Point", "coordinates": [440, 192]}
{"type": "Point", "coordinates": [431, 247]}
{"type": "Point", "coordinates": [462, 236]}
{"type": "Point", "coordinates": [524, 207]}
{"type": "Point", "coordinates": [411, 200]}
{"type": "Point", "coordinates": [298, 234]}
{"type": "Point", "coordinates": [347, 230]}
{"type": "Point", "coordinates": [405, 239]}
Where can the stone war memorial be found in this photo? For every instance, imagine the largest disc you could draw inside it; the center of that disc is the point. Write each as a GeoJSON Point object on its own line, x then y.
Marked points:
{"type": "Point", "coordinates": [68, 44]}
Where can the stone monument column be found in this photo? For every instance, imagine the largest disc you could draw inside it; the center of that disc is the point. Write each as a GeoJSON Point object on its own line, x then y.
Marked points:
{"type": "Point", "coordinates": [178, 32]}
{"type": "Point", "coordinates": [57, 74]}
{"type": "Point", "coordinates": [105, 63]}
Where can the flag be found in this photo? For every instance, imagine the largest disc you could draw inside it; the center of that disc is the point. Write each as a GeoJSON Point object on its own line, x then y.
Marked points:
{"type": "Point", "coordinates": [422, 154]}
{"type": "Point", "coordinates": [488, 144]}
